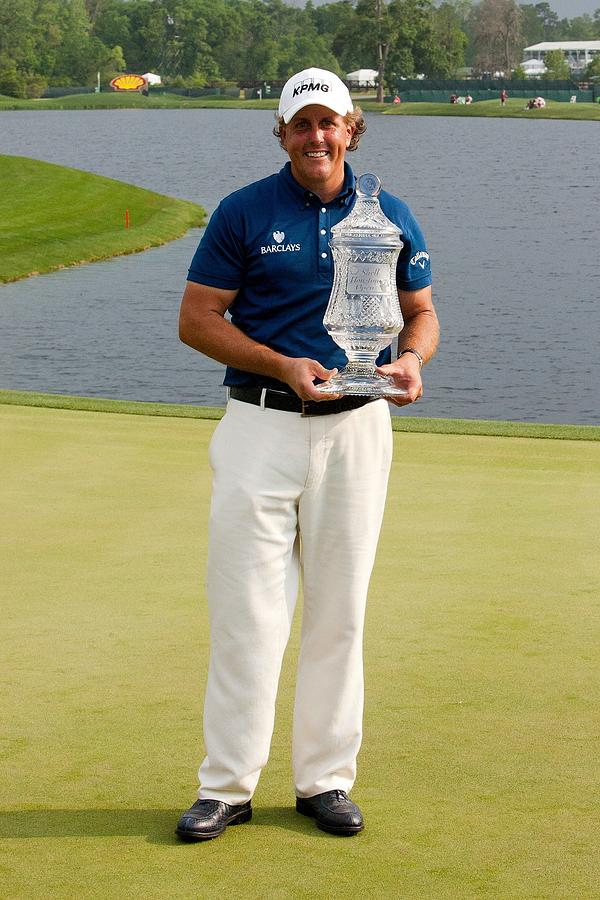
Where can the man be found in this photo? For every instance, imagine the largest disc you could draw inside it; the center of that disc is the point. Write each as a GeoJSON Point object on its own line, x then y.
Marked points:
{"type": "Point", "coordinates": [299, 479]}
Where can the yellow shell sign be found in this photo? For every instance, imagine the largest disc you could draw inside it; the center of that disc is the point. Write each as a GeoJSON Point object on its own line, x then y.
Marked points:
{"type": "Point", "coordinates": [128, 83]}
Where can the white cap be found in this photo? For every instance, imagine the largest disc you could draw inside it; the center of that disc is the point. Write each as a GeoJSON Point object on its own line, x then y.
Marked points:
{"type": "Point", "coordinates": [314, 86]}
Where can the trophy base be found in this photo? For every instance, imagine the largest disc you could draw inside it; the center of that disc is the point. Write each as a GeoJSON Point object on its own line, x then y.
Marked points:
{"type": "Point", "coordinates": [361, 385]}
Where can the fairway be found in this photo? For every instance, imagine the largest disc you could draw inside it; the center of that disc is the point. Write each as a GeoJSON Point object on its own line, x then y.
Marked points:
{"type": "Point", "coordinates": [478, 775]}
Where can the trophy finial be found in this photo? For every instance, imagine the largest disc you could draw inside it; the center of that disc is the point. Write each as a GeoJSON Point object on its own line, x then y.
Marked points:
{"type": "Point", "coordinates": [368, 185]}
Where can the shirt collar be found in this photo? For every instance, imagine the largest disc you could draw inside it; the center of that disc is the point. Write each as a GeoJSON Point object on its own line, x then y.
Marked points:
{"type": "Point", "coordinates": [302, 196]}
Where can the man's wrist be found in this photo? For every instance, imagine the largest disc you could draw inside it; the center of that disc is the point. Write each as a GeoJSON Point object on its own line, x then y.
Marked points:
{"type": "Point", "coordinates": [282, 366]}
{"type": "Point", "coordinates": [414, 352]}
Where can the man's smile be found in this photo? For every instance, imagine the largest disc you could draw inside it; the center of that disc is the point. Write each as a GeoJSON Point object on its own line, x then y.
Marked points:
{"type": "Point", "coordinates": [316, 140]}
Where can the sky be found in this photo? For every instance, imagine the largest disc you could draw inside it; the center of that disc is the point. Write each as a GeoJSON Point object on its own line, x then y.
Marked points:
{"type": "Point", "coordinates": [568, 9]}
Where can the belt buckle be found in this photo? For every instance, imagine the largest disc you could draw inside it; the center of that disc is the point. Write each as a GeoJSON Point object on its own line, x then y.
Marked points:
{"type": "Point", "coordinates": [312, 408]}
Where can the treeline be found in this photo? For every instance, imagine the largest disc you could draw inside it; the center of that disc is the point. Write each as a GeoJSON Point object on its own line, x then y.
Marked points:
{"type": "Point", "coordinates": [227, 42]}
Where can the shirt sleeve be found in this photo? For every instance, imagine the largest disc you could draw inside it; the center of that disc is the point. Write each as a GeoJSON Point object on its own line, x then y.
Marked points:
{"type": "Point", "coordinates": [414, 265]}
{"type": "Point", "coordinates": [413, 271]}
{"type": "Point", "coordinates": [220, 260]}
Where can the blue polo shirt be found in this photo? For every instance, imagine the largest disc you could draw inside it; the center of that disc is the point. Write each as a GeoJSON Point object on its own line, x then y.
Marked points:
{"type": "Point", "coordinates": [269, 242]}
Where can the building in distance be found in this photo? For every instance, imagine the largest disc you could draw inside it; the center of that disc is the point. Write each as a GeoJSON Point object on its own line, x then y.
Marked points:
{"type": "Point", "coordinates": [578, 55]}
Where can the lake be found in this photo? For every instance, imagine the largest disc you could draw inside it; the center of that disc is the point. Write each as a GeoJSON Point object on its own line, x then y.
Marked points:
{"type": "Point", "coordinates": [509, 208]}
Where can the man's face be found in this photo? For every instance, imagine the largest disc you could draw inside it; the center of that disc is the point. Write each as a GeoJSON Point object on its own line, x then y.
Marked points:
{"type": "Point", "coordinates": [316, 140]}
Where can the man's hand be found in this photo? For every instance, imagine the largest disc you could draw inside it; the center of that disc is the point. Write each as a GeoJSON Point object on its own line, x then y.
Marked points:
{"type": "Point", "coordinates": [300, 374]}
{"type": "Point", "coordinates": [204, 327]}
{"type": "Point", "coordinates": [407, 375]}
{"type": "Point", "coordinates": [420, 330]}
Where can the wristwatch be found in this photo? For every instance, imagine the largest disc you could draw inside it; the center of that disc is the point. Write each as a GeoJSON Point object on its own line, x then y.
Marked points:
{"type": "Point", "coordinates": [416, 353]}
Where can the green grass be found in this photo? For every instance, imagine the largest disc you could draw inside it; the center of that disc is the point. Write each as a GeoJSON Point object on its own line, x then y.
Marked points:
{"type": "Point", "coordinates": [484, 108]}
{"type": "Point", "coordinates": [52, 217]}
{"type": "Point", "coordinates": [514, 109]}
{"type": "Point", "coordinates": [478, 774]}
{"type": "Point", "coordinates": [399, 423]}
{"type": "Point", "coordinates": [123, 100]}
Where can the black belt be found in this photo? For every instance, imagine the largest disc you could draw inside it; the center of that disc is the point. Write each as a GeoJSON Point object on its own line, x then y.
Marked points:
{"type": "Point", "coordinates": [292, 403]}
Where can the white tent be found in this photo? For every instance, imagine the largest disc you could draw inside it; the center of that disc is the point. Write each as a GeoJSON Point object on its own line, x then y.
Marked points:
{"type": "Point", "coordinates": [365, 77]}
{"type": "Point", "coordinates": [151, 78]}
{"type": "Point", "coordinates": [534, 66]}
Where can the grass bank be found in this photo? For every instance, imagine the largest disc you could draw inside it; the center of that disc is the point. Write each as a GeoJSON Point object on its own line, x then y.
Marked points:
{"type": "Point", "coordinates": [485, 108]}
{"type": "Point", "coordinates": [490, 427]}
{"type": "Point", "coordinates": [514, 109]}
{"type": "Point", "coordinates": [122, 100]}
{"type": "Point", "coordinates": [478, 773]}
{"type": "Point", "coordinates": [52, 217]}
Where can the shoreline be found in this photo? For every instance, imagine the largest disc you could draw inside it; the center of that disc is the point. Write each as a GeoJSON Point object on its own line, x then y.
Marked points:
{"type": "Point", "coordinates": [55, 217]}
{"type": "Point", "coordinates": [515, 107]}
{"type": "Point", "coordinates": [465, 427]}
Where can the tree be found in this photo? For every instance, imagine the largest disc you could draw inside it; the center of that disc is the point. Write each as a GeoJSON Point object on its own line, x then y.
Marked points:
{"type": "Point", "coordinates": [497, 33]}
{"type": "Point", "coordinates": [583, 28]}
{"type": "Point", "coordinates": [382, 46]}
{"type": "Point", "coordinates": [355, 43]}
{"type": "Point", "coordinates": [113, 25]}
{"type": "Point", "coordinates": [465, 14]}
{"type": "Point", "coordinates": [262, 26]}
{"type": "Point", "coordinates": [303, 47]}
{"type": "Point", "coordinates": [531, 25]}
{"type": "Point", "coordinates": [400, 39]}
{"type": "Point", "coordinates": [540, 22]}
{"type": "Point", "coordinates": [331, 18]}
{"type": "Point", "coordinates": [95, 8]}
{"type": "Point", "coordinates": [557, 68]}
{"type": "Point", "coordinates": [450, 41]}
{"type": "Point", "coordinates": [47, 32]}
{"type": "Point", "coordinates": [17, 44]}
{"type": "Point", "coordinates": [413, 49]}
{"type": "Point", "coordinates": [593, 69]}
{"type": "Point", "coordinates": [225, 36]}
{"type": "Point", "coordinates": [76, 56]}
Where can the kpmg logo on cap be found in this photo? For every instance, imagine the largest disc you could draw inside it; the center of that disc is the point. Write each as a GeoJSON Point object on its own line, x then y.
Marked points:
{"type": "Point", "coordinates": [309, 84]}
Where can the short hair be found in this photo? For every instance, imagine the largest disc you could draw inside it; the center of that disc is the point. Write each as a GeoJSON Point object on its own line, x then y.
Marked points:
{"type": "Point", "coordinates": [355, 119]}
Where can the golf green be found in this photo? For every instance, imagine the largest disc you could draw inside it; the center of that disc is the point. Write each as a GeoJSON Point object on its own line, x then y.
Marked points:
{"type": "Point", "coordinates": [478, 775]}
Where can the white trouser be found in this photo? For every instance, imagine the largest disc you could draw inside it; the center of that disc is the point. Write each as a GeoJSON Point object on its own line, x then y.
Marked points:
{"type": "Point", "coordinates": [289, 493]}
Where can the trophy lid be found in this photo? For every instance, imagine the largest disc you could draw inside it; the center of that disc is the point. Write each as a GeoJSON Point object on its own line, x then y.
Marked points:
{"type": "Point", "coordinates": [368, 185]}
{"type": "Point", "coordinates": [367, 224]}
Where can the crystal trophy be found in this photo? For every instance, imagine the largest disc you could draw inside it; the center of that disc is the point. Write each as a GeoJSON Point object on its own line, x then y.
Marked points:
{"type": "Point", "coordinates": [363, 314]}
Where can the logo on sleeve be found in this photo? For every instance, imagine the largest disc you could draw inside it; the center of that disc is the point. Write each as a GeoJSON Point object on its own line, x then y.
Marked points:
{"type": "Point", "coordinates": [421, 259]}
{"type": "Point", "coordinates": [279, 246]}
